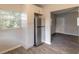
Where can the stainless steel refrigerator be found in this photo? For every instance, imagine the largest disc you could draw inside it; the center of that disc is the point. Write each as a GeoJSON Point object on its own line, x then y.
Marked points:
{"type": "Point", "coordinates": [37, 29]}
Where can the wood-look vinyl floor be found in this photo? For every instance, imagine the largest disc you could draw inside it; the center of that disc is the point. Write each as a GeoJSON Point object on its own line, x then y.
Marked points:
{"type": "Point", "coordinates": [61, 44]}
{"type": "Point", "coordinates": [66, 44]}
{"type": "Point", "coordinates": [42, 49]}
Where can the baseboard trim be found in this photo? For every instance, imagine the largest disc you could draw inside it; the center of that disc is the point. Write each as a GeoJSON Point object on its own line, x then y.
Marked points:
{"type": "Point", "coordinates": [10, 49]}
{"type": "Point", "coordinates": [64, 34]}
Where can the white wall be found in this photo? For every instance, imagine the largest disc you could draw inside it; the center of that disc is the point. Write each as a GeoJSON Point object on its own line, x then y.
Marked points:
{"type": "Point", "coordinates": [9, 39]}
{"type": "Point", "coordinates": [47, 28]}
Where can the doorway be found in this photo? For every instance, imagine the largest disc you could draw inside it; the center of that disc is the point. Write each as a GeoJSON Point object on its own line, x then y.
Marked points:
{"type": "Point", "coordinates": [64, 30]}
{"type": "Point", "coordinates": [65, 22]}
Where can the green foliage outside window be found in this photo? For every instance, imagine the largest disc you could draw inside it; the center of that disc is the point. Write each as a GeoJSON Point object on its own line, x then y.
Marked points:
{"type": "Point", "coordinates": [9, 19]}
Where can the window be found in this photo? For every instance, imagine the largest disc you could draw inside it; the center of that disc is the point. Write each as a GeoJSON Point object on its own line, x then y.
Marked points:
{"type": "Point", "coordinates": [10, 19]}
